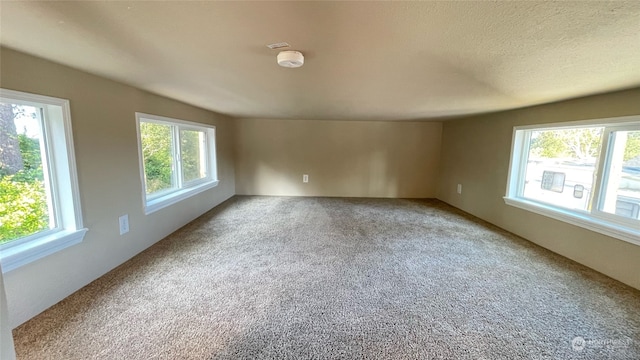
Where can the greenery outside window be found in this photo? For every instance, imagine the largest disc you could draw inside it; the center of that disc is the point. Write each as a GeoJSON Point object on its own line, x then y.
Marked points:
{"type": "Point", "coordinates": [177, 159]}
{"type": "Point", "coordinates": [584, 173]}
{"type": "Point", "coordinates": [39, 198]}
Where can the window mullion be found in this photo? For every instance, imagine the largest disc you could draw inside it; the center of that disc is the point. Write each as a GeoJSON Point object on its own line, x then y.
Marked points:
{"type": "Point", "coordinates": [204, 153]}
{"type": "Point", "coordinates": [177, 158]}
{"type": "Point", "coordinates": [600, 174]}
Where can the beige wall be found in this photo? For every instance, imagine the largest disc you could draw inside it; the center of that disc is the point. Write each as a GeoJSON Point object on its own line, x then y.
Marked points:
{"type": "Point", "coordinates": [476, 152]}
{"type": "Point", "coordinates": [104, 128]}
{"type": "Point", "coordinates": [342, 158]}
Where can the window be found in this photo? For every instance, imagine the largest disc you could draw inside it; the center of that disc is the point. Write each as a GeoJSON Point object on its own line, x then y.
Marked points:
{"type": "Point", "coordinates": [586, 173]}
{"type": "Point", "coordinates": [40, 206]}
{"type": "Point", "coordinates": [177, 159]}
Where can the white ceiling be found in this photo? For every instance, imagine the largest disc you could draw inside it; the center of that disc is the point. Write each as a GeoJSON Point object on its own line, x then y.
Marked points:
{"type": "Point", "coordinates": [364, 60]}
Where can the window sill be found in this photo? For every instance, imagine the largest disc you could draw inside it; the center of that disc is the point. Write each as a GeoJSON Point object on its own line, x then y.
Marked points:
{"type": "Point", "coordinates": [585, 221]}
{"type": "Point", "coordinates": [177, 196]}
{"type": "Point", "coordinates": [13, 257]}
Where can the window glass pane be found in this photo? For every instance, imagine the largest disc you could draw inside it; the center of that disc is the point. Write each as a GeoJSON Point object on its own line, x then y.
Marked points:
{"type": "Point", "coordinates": [561, 165]}
{"type": "Point", "coordinates": [621, 189]}
{"type": "Point", "coordinates": [25, 200]}
{"type": "Point", "coordinates": [157, 150]}
{"type": "Point", "coordinates": [192, 153]}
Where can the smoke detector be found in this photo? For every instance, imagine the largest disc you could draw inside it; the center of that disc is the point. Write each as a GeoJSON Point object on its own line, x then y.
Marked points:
{"type": "Point", "coordinates": [290, 59]}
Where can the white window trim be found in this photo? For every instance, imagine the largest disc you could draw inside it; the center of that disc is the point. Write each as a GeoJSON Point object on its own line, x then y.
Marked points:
{"type": "Point", "coordinates": [575, 218]}
{"type": "Point", "coordinates": [177, 196]}
{"type": "Point", "coordinates": [594, 221]}
{"type": "Point", "coordinates": [194, 187]}
{"type": "Point", "coordinates": [70, 230]}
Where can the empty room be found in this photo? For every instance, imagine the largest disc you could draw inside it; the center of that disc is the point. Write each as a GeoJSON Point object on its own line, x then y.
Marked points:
{"type": "Point", "coordinates": [319, 180]}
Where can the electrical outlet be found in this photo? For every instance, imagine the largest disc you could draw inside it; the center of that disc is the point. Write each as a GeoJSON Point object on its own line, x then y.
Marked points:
{"type": "Point", "coordinates": [124, 224]}
{"type": "Point", "coordinates": [305, 178]}
{"type": "Point", "coordinates": [459, 188]}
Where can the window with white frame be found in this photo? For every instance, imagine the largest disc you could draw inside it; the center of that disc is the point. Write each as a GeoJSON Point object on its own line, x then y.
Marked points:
{"type": "Point", "coordinates": [39, 198]}
{"type": "Point", "coordinates": [177, 159]}
{"type": "Point", "coordinates": [585, 173]}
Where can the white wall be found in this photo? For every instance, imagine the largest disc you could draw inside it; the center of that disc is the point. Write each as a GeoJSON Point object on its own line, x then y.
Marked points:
{"type": "Point", "coordinates": [7, 351]}
{"type": "Point", "coordinates": [104, 129]}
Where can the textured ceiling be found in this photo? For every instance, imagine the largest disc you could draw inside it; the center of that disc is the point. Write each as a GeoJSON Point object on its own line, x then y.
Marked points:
{"type": "Point", "coordinates": [364, 60]}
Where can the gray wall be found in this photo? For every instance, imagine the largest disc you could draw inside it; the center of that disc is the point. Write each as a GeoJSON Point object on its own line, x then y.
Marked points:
{"type": "Point", "coordinates": [342, 158]}
{"type": "Point", "coordinates": [104, 130]}
{"type": "Point", "coordinates": [475, 153]}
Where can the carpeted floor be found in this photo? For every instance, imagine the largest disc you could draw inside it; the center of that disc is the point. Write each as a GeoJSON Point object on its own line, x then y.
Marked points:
{"type": "Point", "coordinates": [335, 278]}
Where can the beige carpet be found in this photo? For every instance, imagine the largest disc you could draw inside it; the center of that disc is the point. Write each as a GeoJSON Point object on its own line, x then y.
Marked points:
{"type": "Point", "coordinates": [329, 278]}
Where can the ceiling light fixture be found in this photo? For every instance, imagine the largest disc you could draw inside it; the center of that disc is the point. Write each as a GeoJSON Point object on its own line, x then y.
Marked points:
{"type": "Point", "coordinates": [290, 59]}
